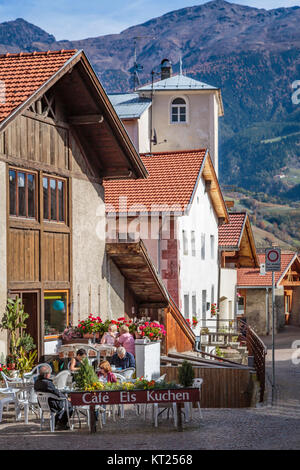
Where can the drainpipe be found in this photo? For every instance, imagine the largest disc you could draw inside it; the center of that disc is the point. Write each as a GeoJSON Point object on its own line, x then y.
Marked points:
{"type": "Point", "coordinates": [219, 287]}
{"type": "Point", "coordinates": [267, 311]}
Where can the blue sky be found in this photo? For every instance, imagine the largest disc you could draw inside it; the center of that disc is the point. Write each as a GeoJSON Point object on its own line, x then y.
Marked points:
{"type": "Point", "coordinates": [78, 19]}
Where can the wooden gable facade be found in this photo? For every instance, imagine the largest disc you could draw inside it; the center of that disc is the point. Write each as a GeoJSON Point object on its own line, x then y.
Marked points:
{"type": "Point", "coordinates": [65, 130]}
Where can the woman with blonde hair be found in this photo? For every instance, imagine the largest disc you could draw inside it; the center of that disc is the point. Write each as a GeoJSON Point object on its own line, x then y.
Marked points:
{"type": "Point", "coordinates": [105, 374]}
{"type": "Point", "coordinates": [110, 336]}
{"type": "Point", "coordinates": [126, 339]}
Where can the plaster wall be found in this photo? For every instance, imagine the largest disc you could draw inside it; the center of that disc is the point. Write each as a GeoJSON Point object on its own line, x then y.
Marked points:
{"type": "Point", "coordinates": [200, 130]}
{"type": "Point", "coordinates": [3, 254]}
{"type": "Point", "coordinates": [197, 274]}
{"type": "Point", "coordinates": [98, 286]}
{"type": "Point", "coordinates": [295, 314]}
{"type": "Point", "coordinates": [228, 281]}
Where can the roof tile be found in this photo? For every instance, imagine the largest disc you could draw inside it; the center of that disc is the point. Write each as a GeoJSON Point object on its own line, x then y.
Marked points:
{"type": "Point", "coordinates": [229, 234]}
{"type": "Point", "coordinates": [171, 181]}
{"type": "Point", "coordinates": [24, 73]}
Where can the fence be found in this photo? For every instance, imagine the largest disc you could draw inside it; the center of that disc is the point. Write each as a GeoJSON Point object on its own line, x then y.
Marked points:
{"type": "Point", "coordinates": [222, 387]}
{"type": "Point", "coordinates": [258, 350]}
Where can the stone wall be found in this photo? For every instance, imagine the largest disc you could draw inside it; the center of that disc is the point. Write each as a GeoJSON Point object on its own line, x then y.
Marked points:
{"type": "Point", "coordinates": [256, 304]}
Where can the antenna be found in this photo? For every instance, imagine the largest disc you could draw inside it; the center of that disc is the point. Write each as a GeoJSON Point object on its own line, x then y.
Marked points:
{"type": "Point", "coordinates": [137, 67]}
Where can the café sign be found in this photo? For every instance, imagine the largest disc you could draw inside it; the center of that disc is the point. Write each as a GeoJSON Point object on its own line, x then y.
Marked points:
{"type": "Point", "coordinates": [135, 396]}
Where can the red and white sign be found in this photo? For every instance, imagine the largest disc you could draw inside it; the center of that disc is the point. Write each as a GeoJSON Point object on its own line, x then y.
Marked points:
{"type": "Point", "coordinates": [273, 259]}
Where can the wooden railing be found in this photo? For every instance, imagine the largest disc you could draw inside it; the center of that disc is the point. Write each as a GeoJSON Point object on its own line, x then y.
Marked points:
{"type": "Point", "coordinates": [258, 350]}
{"type": "Point", "coordinates": [180, 336]}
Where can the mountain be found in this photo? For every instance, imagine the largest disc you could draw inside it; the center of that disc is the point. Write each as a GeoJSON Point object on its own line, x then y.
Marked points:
{"type": "Point", "coordinates": [251, 54]}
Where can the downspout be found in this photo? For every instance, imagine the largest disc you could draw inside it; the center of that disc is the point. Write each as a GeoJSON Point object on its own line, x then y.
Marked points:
{"type": "Point", "coordinates": [219, 285]}
{"type": "Point", "coordinates": [267, 312]}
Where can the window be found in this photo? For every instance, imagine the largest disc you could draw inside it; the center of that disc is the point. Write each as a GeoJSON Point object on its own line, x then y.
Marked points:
{"type": "Point", "coordinates": [212, 246]}
{"type": "Point", "coordinates": [212, 298]}
{"type": "Point", "coordinates": [194, 305]}
{"type": "Point", "coordinates": [56, 312]}
{"type": "Point", "coordinates": [22, 194]}
{"type": "Point", "coordinates": [241, 305]}
{"type": "Point", "coordinates": [178, 111]}
{"type": "Point", "coordinates": [193, 241]}
{"type": "Point", "coordinates": [204, 308]}
{"type": "Point", "coordinates": [185, 243]}
{"type": "Point", "coordinates": [202, 245]}
{"type": "Point", "coordinates": [54, 191]}
{"type": "Point", "coordinates": [186, 300]}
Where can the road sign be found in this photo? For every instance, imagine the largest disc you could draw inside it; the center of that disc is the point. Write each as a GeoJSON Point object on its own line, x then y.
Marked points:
{"type": "Point", "coordinates": [273, 259]}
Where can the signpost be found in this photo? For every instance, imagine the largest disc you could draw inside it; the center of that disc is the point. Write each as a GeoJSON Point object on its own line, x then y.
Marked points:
{"type": "Point", "coordinates": [273, 264]}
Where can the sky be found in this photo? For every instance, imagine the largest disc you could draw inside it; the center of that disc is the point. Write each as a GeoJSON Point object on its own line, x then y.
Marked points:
{"type": "Point", "coordinates": [80, 19]}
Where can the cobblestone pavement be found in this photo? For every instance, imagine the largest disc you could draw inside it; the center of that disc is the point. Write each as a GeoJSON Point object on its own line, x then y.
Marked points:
{"type": "Point", "coordinates": [265, 427]}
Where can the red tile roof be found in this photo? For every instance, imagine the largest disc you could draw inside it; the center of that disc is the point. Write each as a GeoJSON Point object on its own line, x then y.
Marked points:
{"type": "Point", "coordinates": [229, 234]}
{"type": "Point", "coordinates": [22, 74]}
{"type": "Point", "coordinates": [251, 277]}
{"type": "Point", "coordinates": [171, 181]}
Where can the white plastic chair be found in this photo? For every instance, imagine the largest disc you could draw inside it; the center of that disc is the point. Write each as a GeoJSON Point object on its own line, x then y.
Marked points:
{"type": "Point", "coordinates": [43, 400]}
{"type": "Point", "coordinates": [13, 396]}
{"type": "Point", "coordinates": [62, 379]}
{"type": "Point", "coordinates": [10, 381]}
{"type": "Point", "coordinates": [35, 371]}
{"type": "Point", "coordinates": [188, 407]}
{"type": "Point", "coordinates": [160, 379]}
{"type": "Point", "coordinates": [127, 373]}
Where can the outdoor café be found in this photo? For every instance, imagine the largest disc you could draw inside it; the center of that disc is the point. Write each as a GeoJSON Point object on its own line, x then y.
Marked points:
{"type": "Point", "coordinates": [101, 369]}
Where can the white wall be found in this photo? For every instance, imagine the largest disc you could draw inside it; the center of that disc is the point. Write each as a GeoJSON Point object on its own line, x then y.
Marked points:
{"type": "Point", "coordinates": [139, 131]}
{"type": "Point", "coordinates": [228, 298]}
{"type": "Point", "coordinates": [196, 274]}
{"type": "Point", "coordinates": [3, 259]}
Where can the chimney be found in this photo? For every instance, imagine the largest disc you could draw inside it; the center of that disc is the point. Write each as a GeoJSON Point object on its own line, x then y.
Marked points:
{"type": "Point", "coordinates": [166, 69]}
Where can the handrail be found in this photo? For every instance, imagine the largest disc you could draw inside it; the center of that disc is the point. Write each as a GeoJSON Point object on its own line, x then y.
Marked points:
{"type": "Point", "coordinates": [258, 350]}
{"type": "Point", "coordinates": [174, 310]}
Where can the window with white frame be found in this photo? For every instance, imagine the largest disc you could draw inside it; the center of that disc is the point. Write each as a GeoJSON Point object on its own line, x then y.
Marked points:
{"type": "Point", "coordinates": [212, 246]}
{"type": "Point", "coordinates": [194, 305]}
{"type": "Point", "coordinates": [186, 301]}
{"type": "Point", "coordinates": [202, 245]}
{"type": "Point", "coordinates": [193, 242]}
{"type": "Point", "coordinates": [178, 111]}
{"type": "Point", "coordinates": [204, 308]}
{"type": "Point", "coordinates": [185, 243]}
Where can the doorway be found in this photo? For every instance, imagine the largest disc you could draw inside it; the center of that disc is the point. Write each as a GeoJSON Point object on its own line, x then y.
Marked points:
{"type": "Point", "coordinates": [30, 300]}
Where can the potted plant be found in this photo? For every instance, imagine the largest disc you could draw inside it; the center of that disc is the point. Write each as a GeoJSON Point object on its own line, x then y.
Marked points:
{"type": "Point", "coordinates": [26, 361]}
{"type": "Point", "coordinates": [204, 332]}
{"type": "Point", "coordinates": [87, 328]}
{"type": "Point", "coordinates": [213, 309]}
{"type": "Point", "coordinates": [186, 374]}
{"type": "Point", "coordinates": [14, 321]}
{"type": "Point", "coordinates": [154, 331]}
{"type": "Point", "coordinates": [195, 321]}
{"type": "Point", "coordinates": [70, 335]}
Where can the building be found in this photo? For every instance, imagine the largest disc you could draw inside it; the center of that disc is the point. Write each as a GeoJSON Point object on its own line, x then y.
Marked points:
{"type": "Point", "coordinates": [59, 138]}
{"type": "Point", "coordinates": [236, 250]}
{"type": "Point", "coordinates": [176, 211]}
{"type": "Point", "coordinates": [255, 294]}
{"type": "Point", "coordinates": [175, 113]}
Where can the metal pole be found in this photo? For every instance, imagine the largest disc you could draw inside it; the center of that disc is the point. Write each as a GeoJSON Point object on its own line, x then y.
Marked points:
{"type": "Point", "coordinates": [273, 337]}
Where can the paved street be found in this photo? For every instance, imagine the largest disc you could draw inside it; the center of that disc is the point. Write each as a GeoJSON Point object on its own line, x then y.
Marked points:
{"type": "Point", "coordinates": [266, 427]}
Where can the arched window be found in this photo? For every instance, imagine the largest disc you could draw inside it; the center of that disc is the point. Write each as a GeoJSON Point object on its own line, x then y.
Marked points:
{"type": "Point", "coordinates": [178, 110]}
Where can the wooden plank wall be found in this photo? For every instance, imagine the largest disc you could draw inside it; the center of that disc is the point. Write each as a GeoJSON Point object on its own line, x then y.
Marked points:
{"type": "Point", "coordinates": [221, 388]}
{"type": "Point", "coordinates": [37, 141]}
{"type": "Point", "coordinates": [23, 255]}
{"type": "Point", "coordinates": [179, 337]}
{"type": "Point", "coordinates": [56, 257]}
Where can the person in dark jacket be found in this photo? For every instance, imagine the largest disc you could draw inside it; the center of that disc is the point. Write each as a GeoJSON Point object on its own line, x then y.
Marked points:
{"type": "Point", "coordinates": [45, 384]}
{"type": "Point", "coordinates": [123, 359]}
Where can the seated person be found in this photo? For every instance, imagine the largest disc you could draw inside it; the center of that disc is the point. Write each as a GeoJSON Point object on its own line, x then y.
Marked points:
{"type": "Point", "coordinates": [126, 339]}
{"type": "Point", "coordinates": [110, 336]}
{"type": "Point", "coordinates": [75, 362]}
{"type": "Point", "coordinates": [45, 384]}
{"type": "Point", "coordinates": [122, 358]}
{"type": "Point", "coordinates": [105, 374]}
